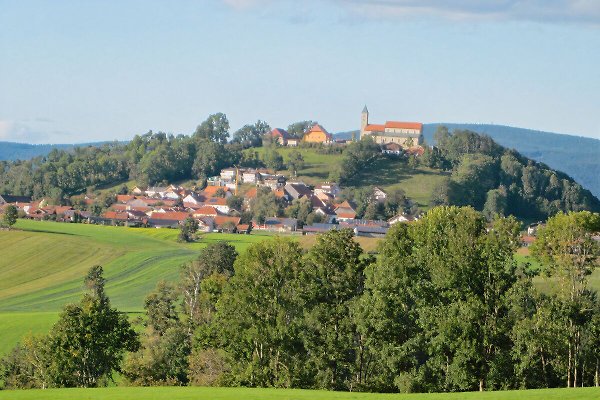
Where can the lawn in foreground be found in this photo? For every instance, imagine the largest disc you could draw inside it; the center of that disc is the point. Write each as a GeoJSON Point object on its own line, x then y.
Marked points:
{"type": "Point", "coordinates": [204, 393]}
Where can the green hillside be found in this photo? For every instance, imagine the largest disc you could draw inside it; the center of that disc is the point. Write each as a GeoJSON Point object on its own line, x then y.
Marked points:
{"type": "Point", "coordinates": [386, 173]}
{"type": "Point", "coordinates": [208, 393]}
{"type": "Point", "coordinates": [42, 265]}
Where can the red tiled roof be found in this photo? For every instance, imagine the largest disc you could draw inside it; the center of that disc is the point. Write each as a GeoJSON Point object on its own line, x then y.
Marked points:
{"type": "Point", "coordinates": [375, 128]}
{"type": "Point", "coordinates": [404, 125]}
{"type": "Point", "coordinates": [206, 211]}
{"type": "Point", "coordinates": [212, 190]}
{"type": "Point", "coordinates": [170, 215]}
{"type": "Point", "coordinates": [115, 215]}
{"type": "Point", "coordinates": [216, 201]}
{"type": "Point", "coordinates": [124, 198]}
{"type": "Point", "coordinates": [347, 215]}
{"type": "Point", "coordinates": [221, 219]}
{"type": "Point", "coordinates": [416, 150]}
{"type": "Point", "coordinates": [278, 132]}
{"type": "Point", "coordinates": [344, 204]}
{"type": "Point", "coordinates": [319, 128]}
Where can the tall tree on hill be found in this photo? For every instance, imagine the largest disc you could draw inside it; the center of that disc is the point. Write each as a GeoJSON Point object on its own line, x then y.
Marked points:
{"type": "Point", "coordinates": [295, 162]}
{"type": "Point", "coordinates": [273, 160]}
{"type": "Point", "coordinates": [89, 340]}
{"type": "Point", "coordinates": [251, 135]}
{"type": "Point", "coordinates": [260, 315]}
{"type": "Point", "coordinates": [299, 128]}
{"type": "Point", "coordinates": [215, 128]}
{"type": "Point", "coordinates": [335, 266]}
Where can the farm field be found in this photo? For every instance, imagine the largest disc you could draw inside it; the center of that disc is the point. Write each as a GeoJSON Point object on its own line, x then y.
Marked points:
{"type": "Point", "coordinates": [207, 393]}
{"type": "Point", "coordinates": [42, 265]}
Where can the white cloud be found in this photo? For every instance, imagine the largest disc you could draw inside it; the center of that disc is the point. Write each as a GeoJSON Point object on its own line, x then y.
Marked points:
{"type": "Point", "coordinates": [549, 11]}
{"type": "Point", "coordinates": [585, 11]}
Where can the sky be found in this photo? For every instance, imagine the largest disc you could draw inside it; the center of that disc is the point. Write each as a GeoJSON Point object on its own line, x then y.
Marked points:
{"type": "Point", "coordinates": [82, 71]}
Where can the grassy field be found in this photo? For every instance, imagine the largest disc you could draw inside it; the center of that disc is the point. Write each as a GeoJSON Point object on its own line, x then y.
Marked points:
{"type": "Point", "coordinates": [389, 174]}
{"type": "Point", "coordinates": [42, 265]}
{"type": "Point", "coordinates": [203, 393]}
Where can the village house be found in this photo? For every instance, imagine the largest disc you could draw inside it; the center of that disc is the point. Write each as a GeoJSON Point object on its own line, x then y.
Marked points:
{"type": "Point", "coordinates": [228, 174]}
{"type": "Point", "coordinates": [406, 134]}
{"type": "Point", "coordinates": [282, 137]}
{"type": "Point", "coordinates": [328, 187]}
{"type": "Point", "coordinates": [391, 148]}
{"type": "Point", "coordinates": [401, 218]}
{"type": "Point", "coordinates": [318, 134]}
{"type": "Point", "coordinates": [276, 224]}
{"type": "Point", "coordinates": [156, 191]}
{"type": "Point", "coordinates": [250, 176]}
{"type": "Point", "coordinates": [297, 190]}
{"type": "Point", "coordinates": [345, 211]}
{"type": "Point", "coordinates": [273, 181]}
{"type": "Point", "coordinates": [379, 194]}
{"type": "Point", "coordinates": [10, 199]}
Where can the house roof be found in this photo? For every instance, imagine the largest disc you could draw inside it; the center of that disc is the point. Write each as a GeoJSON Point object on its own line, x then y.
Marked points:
{"type": "Point", "coordinates": [346, 204]}
{"type": "Point", "coordinates": [221, 219]}
{"type": "Point", "coordinates": [404, 125]}
{"type": "Point", "coordinates": [346, 214]}
{"type": "Point", "coordinates": [212, 190]}
{"type": "Point", "coordinates": [124, 198]}
{"type": "Point", "coordinates": [14, 199]}
{"type": "Point", "coordinates": [297, 190]}
{"type": "Point", "coordinates": [319, 128]}
{"type": "Point", "coordinates": [206, 210]}
{"type": "Point", "coordinates": [375, 128]}
{"type": "Point", "coordinates": [392, 146]}
{"type": "Point", "coordinates": [282, 133]}
{"type": "Point", "coordinates": [115, 215]}
{"type": "Point", "coordinates": [170, 215]}
{"type": "Point", "coordinates": [216, 201]}
{"type": "Point", "coordinates": [416, 150]}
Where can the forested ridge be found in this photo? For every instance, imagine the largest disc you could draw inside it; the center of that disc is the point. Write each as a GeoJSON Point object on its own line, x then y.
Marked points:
{"type": "Point", "coordinates": [484, 175]}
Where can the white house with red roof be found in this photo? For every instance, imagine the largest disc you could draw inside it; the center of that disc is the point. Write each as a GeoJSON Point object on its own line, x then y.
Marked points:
{"type": "Point", "coordinates": [406, 134]}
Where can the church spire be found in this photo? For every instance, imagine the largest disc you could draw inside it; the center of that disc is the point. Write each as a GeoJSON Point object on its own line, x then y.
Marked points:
{"type": "Point", "coordinates": [365, 110]}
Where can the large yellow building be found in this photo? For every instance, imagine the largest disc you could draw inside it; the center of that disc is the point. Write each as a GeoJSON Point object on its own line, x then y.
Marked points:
{"type": "Point", "coordinates": [406, 134]}
{"type": "Point", "coordinates": [318, 134]}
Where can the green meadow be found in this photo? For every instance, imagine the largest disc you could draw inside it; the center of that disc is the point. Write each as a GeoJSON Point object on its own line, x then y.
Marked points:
{"type": "Point", "coordinates": [42, 265]}
{"type": "Point", "coordinates": [207, 393]}
{"type": "Point", "coordinates": [389, 174]}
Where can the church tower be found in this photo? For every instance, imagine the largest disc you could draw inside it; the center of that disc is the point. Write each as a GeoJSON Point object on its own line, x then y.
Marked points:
{"type": "Point", "coordinates": [364, 121]}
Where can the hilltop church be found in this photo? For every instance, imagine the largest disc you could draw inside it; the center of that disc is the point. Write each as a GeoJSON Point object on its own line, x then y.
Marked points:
{"type": "Point", "coordinates": [406, 134]}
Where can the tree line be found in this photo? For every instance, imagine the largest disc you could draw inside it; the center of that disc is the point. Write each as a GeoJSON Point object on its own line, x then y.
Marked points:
{"type": "Point", "coordinates": [497, 180]}
{"type": "Point", "coordinates": [443, 307]}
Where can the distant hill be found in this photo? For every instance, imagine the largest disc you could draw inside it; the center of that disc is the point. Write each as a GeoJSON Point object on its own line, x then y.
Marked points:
{"type": "Point", "coordinates": [21, 151]}
{"type": "Point", "coordinates": [11, 151]}
{"type": "Point", "coordinates": [577, 156]}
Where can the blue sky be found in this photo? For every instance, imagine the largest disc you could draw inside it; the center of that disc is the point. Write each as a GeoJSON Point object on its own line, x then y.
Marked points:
{"type": "Point", "coordinates": [73, 71]}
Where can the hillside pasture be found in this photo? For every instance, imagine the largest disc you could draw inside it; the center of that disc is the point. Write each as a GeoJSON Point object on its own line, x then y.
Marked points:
{"type": "Point", "coordinates": [208, 393]}
{"type": "Point", "coordinates": [42, 265]}
{"type": "Point", "coordinates": [386, 173]}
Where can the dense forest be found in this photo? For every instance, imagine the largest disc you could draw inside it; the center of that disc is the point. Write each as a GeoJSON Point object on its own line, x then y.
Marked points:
{"type": "Point", "coordinates": [445, 307]}
{"type": "Point", "coordinates": [485, 175]}
{"type": "Point", "coordinates": [497, 180]}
